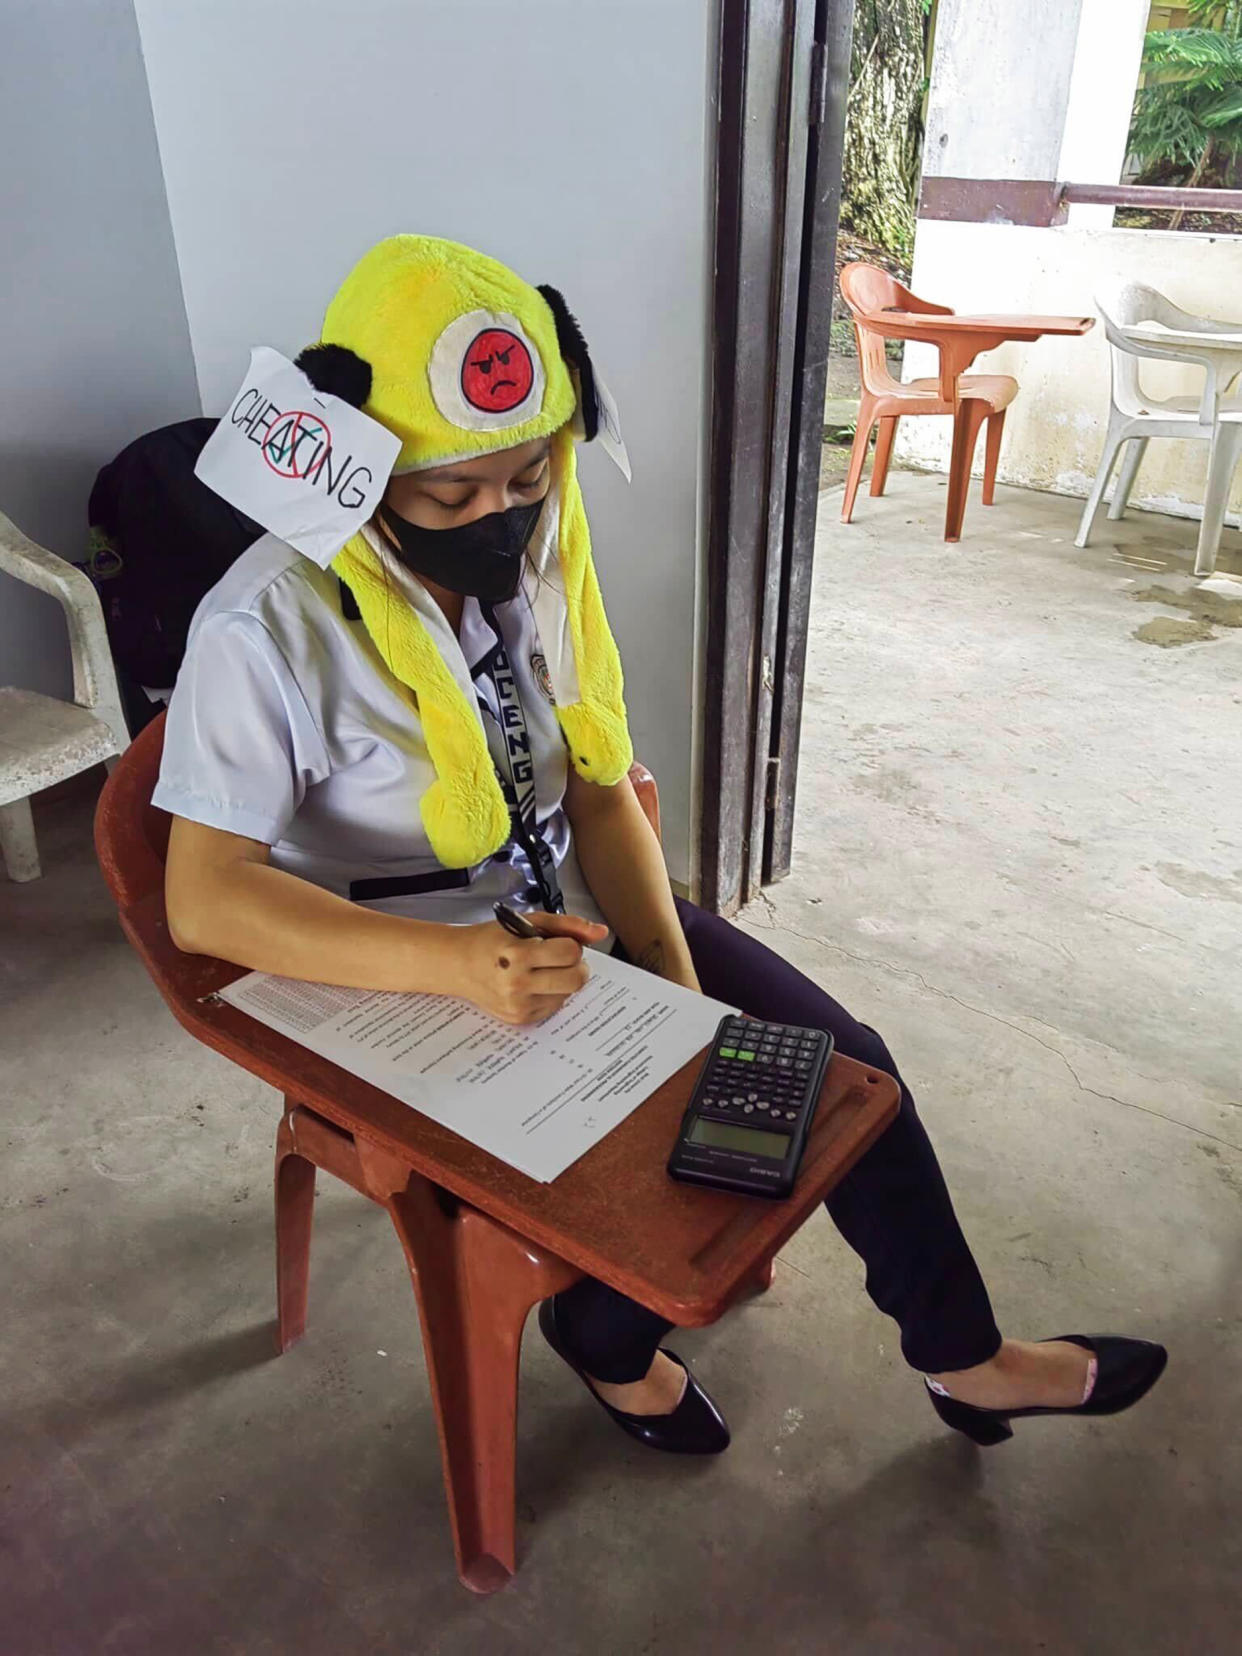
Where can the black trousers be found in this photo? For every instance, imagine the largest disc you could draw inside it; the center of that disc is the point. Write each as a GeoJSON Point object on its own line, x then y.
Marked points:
{"type": "Point", "coordinates": [893, 1209]}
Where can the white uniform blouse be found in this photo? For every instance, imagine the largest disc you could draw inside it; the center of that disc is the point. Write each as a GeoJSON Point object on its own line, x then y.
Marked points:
{"type": "Point", "coordinates": [287, 727]}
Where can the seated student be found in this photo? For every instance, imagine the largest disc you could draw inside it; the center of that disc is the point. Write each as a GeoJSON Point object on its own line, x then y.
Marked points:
{"type": "Point", "coordinates": [347, 807]}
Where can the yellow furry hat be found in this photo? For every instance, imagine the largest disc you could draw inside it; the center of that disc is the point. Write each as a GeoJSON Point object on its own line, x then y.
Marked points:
{"type": "Point", "coordinates": [466, 358]}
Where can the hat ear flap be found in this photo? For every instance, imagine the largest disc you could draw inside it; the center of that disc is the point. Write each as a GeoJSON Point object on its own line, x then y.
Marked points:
{"type": "Point", "coordinates": [337, 372]}
{"type": "Point", "coordinates": [573, 348]}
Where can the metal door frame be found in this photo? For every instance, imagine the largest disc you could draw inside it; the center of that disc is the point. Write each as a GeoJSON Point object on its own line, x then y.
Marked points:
{"type": "Point", "coordinates": [783, 74]}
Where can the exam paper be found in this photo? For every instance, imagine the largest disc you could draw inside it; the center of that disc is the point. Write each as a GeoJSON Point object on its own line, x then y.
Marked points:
{"type": "Point", "coordinates": [537, 1097]}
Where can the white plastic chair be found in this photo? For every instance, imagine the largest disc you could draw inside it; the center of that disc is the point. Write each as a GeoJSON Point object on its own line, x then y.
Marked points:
{"type": "Point", "coordinates": [43, 740]}
{"type": "Point", "coordinates": [1135, 418]}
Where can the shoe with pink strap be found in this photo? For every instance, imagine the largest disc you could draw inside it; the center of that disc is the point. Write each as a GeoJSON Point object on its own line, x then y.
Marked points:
{"type": "Point", "coordinates": [1120, 1372]}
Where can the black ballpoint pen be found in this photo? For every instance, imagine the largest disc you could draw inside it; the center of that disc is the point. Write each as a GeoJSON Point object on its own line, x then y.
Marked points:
{"type": "Point", "coordinates": [517, 925]}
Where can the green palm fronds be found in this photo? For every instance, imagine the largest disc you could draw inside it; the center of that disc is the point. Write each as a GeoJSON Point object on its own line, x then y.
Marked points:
{"type": "Point", "coordinates": [1188, 110]}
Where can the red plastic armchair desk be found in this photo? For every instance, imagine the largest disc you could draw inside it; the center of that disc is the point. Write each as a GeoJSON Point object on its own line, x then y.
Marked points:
{"type": "Point", "coordinates": [883, 309]}
{"type": "Point", "coordinates": [483, 1242]}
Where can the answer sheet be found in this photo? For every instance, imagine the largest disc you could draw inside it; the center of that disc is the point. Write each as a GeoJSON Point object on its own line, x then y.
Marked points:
{"type": "Point", "coordinates": [536, 1097]}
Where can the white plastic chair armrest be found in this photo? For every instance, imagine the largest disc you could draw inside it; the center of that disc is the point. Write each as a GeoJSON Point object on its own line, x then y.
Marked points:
{"type": "Point", "coordinates": [37, 567]}
{"type": "Point", "coordinates": [94, 677]}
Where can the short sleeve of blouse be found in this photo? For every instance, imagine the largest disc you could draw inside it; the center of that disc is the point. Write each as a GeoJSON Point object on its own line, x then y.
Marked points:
{"type": "Point", "coordinates": [240, 746]}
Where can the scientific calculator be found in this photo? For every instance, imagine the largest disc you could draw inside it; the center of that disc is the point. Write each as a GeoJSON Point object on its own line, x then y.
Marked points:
{"type": "Point", "coordinates": [746, 1124]}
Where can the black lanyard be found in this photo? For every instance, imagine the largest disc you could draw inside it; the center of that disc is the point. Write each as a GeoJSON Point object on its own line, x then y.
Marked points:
{"type": "Point", "coordinates": [518, 787]}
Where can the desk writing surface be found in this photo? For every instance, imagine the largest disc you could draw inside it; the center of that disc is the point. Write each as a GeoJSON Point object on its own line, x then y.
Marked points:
{"type": "Point", "coordinates": [684, 1251]}
{"type": "Point", "coordinates": [1014, 324]}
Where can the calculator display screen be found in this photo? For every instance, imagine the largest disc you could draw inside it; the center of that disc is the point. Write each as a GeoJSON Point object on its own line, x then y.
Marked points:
{"type": "Point", "coordinates": [722, 1135]}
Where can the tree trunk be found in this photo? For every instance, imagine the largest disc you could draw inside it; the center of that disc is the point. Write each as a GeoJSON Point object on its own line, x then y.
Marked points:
{"type": "Point", "coordinates": [884, 121]}
{"type": "Point", "coordinates": [1175, 223]}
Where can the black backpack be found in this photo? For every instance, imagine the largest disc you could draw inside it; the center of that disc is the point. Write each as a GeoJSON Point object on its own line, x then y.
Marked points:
{"type": "Point", "coordinates": [160, 540]}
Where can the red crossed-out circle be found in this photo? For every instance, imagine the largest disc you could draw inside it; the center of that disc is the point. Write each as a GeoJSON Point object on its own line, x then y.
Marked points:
{"type": "Point", "coordinates": [295, 442]}
{"type": "Point", "coordinates": [496, 372]}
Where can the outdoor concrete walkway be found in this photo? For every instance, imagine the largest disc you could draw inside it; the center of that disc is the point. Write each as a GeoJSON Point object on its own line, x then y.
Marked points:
{"type": "Point", "coordinates": [1020, 856]}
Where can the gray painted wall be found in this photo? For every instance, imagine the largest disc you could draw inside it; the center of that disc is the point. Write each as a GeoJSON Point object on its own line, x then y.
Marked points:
{"type": "Point", "coordinates": [568, 137]}
{"type": "Point", "coordinates": [93, 335]}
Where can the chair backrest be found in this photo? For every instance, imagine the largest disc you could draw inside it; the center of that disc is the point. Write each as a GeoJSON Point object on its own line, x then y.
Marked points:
{"type": "Point", "coordinates": [868, 291]}
{"type": "Point", "coordinates": [131, 835]}
{"type": "Point", "coordinates": [1126, 305]}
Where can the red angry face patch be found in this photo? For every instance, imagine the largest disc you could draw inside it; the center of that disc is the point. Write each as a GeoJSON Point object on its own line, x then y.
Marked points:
{"type": "Point", "coordinates": [497, 372]}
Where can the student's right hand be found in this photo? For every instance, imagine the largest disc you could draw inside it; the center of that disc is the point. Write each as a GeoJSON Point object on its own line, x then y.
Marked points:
{"type": "Point", "coordinates": [525, 980]}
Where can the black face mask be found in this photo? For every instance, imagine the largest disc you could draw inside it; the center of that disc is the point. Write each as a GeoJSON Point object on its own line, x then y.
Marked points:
{"type": "Point", "coordinates": [481, 560]}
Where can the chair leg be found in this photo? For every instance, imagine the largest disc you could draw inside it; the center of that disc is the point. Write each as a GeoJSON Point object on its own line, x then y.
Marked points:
{"type": "Point", "coordinates": [17, 841]}
{"type": "Point", "coordinates": [475, 1282]}
{"type": "Point", "coordinates": [883, 453]}
{"type": "Point", "coordinates": [970, 415]}
{"type": "Point", "coordinates": [991, 455]}
{"type": "Point", "coordinates": [858, 457]}
{"type": "Point", "coordinates": [295, 1208]}
{"type": "Point", "coordinates": [1136, 448]}
{"type": "Point", "coordinates": [1226, 445]}
{"type": "Point", "coordinates": [762, 1279]}
{"type": "Point", "coordinates": [1103, 472]}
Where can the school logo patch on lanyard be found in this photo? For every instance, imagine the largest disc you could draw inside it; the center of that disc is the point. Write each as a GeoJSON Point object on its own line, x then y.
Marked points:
{"type": "Point", "coordinates": [542, 677]}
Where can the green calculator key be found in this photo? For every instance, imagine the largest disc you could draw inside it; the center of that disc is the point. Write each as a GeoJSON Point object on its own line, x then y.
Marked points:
{"type": "Point", "coordinates": [728, 1052]}
{"type": "Point", "coordinates": [748, 1056]}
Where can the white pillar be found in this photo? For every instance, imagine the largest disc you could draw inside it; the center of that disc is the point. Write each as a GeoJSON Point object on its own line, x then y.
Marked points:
{"type": "Point", "coordinates": [1000, 84]}
{"type": "Point", "coordinates": [1107, 59]}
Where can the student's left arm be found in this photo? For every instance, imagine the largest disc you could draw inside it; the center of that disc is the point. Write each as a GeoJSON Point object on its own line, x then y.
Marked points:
{"type": "Point", "coordinates": [623, 866]}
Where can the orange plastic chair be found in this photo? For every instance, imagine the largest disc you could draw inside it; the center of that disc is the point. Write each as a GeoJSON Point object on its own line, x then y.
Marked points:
{"type": "Point", "coordinates": [483, 1243]}
{"type": "Point", "coordinates": [457, 1256]}
{"type": "Point", "coordinates": [969, 398]}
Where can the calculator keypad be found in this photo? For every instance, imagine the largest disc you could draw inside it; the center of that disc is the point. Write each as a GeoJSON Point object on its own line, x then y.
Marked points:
{"type": "Point", "coordinates": [760, 1069]}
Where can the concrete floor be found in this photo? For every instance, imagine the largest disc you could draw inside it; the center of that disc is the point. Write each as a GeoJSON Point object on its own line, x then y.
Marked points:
{"type": "Point", "coordinates": [1020, 855]}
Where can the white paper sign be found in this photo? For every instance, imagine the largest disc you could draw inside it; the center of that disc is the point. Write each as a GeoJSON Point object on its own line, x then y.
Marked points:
{"type": "Point", "coordinates": [609, 433]}
{"type": "Point", "coordinates": [308, 467]}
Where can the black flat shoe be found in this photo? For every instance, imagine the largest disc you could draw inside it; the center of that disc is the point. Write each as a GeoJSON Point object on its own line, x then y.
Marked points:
{"type": "Point", "coordinates": [1126, 1371]}
{"type": "Point", "coordinates": [695, 1427]}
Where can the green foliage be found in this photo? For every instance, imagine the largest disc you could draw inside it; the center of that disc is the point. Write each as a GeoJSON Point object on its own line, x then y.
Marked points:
{"type": "Point", "coordinates": [840, 436]}
{"type": "Point", "coordinates": [1188, 112]}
